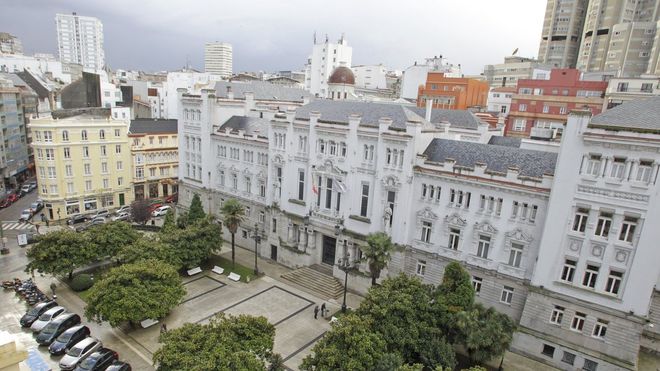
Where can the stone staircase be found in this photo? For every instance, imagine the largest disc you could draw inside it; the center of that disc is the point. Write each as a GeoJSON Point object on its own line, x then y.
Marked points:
{"type": "Point", "coordinates": [317, 280]}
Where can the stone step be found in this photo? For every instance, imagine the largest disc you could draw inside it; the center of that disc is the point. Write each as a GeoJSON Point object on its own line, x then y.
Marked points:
{"type": "Point", "coordinates": [316, 282]}
{"type": "Point", "coordinates": [323, 268]}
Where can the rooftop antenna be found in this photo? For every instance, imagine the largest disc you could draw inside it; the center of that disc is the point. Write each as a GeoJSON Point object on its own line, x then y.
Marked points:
{"type": "Point", "coordinates": [515, 51]}
{"type": "Point", "coordinates": [314, 37]}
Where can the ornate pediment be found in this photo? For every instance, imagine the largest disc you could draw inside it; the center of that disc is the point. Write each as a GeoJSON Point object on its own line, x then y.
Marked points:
{"type": "Point", "coordinates": [221, 166]}
{"type": "Point", "coordinates": [261, 175]}
{"type": "Point", "coordinates": [427, 213]}
{"type": "Point", "coordinates": [278, 159]}
{"type": "Point", "coordinates": [329, 167]}
{"type": "Point", "coordinates": [247, 171]}
{"type": "Point", "coordinates": [233, 169]}
{"type": "Point", "coordinates": [519, 235]}
{"type": "Point", "coordinates": [391, 183]}
{"type": "Point", "coordinates": [455, 220]}
{"type": "Point", "coordinates": [485, 227]}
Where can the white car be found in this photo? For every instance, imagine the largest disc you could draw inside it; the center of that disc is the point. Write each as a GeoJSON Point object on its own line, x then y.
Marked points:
{"type": "Point", "coordinates": [79, 352]}
{"type": "Point", "coordinates": [125, 208]}
{"type": "Point", "coordinates": [161, 211]}
{"type": "Point", "coordinates": [43, 320]}
{"type": "Point", "coordinates": [26, 215]}
{"type": "Point", "coordinates": [121, 216]}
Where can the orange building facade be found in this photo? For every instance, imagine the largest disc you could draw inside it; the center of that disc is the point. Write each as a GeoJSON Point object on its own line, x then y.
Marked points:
{"type": "Point", "coordinates": [452, 92]}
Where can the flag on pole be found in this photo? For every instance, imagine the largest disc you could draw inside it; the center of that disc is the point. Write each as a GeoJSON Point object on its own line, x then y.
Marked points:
{"type": "Point", "coordinates": [314, 187]}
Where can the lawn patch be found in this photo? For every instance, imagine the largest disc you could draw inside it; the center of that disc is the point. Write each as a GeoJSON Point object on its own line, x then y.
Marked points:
{"type": "Point", "coordinates": [245, 272]}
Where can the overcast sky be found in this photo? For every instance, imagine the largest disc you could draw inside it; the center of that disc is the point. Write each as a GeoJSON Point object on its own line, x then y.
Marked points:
{"type": "Point", "coordinates": [272, 35]}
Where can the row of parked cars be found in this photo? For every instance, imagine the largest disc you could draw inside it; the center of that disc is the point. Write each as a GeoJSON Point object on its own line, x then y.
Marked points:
{"type": "Point", "coordinates": [65, 336]}
{"type": "Point", "coordinates": [18, 193]}
{"type": "Point", "coordinates": [34, 208]}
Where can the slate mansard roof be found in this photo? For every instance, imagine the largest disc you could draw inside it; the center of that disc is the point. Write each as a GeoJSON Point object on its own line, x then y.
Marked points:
{"type": "Point", "coordinates": [153, 126]}
{"type": "Point", "coordinates": [262, 91]}
{"type": "Point", "coordinates": [370, 112]}
{"type": "Point", "coordinates": [250, 125]}
{"type": "Point", "coordinates": [498, 159]}
{"type": "Point", "coordinates": [458, 118]}
{"type": "Point", "coordinates": [641, 115]}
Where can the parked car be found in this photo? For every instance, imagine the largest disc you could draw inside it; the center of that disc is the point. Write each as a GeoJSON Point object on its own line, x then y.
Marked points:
{"type": "Point", "coordinates": [121, 216]}
{"type": "Point", "coordinates": [48, 316]}
{"type": "Point", "coordinates": [26, 215]}
{"type": "Point", "coordinates": [173, 198]}
{"type": "Point", "coordinates": [99, 360]}
{"type": "Point", "coordinates": [35, 312]}
{"type": "Point", "coordinates": [96, 221]}
{"type": "Point", "coordinates": [13, 197]}
{"type": "Point", "coordinates": [101, 213]}
{"type": "Point", "coordinates": [125, 208]}
{"type": "Point", "coordinates": [79, 352]}
{"type": "Point", "coordinates": [33, 185]}
{"type": "Point", "coordinates": [119, 366]}
{"type": "Point", "coordinates": [26, 188]}
{"type": "Point", "coordinates": [77, 219]}
{"type": "Point", "coordinates": [67, 339]}
{"type": "Point", "coordinates": [5, 203]}
{"type": "Point", "coordinates": [155, 206]}
{"type": "Point", "coordinates": [161, 211]}
{"type": "Point", "coordinates": [56, 327]}
{"type": "Point", "coordinates": [36, 206]}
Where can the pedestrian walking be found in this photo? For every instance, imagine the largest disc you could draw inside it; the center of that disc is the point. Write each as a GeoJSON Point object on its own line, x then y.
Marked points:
{"type": "Point", "coordinates": [323, 310]}
{"type": "Point", "coordinates": [163, 328]}
{"type": "Point", "coordinates": [316, 312]}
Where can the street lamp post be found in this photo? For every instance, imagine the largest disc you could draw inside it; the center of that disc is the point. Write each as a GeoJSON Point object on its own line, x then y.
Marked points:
{"type": "Point", "coordinates": [345, 265]}
{"type": "Point", "coordinates": [257, 239]}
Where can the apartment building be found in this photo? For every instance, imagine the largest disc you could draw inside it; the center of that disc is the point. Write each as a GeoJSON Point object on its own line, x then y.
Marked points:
{"type": "Point", "coordinates": [513, 69]}
{"type": "Point", "coordinates": [452, 92]}
{"type": "Point", "coordinates": [80, 41]}
{"type": "Point", "coordinates": [83, 161]}
{"type": "Point", "coordinates": [621, 90]}
{"type": "Point", "coordinates": [14, 158]}
{"type": "Point", "coordinates": [539, 108]}
{"type": "Point", "coordinates": [218, 59]}
{"type": "Point", "coordinates": [561, 33]}
{"type": "Point", "coordinates": [155, 157]}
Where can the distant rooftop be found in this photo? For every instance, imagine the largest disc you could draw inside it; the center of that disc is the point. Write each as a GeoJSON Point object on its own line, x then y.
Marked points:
{"type": "Point", "coordinates": [457, 118]}
{"type": "Point", "coordinates": [251, 125]}
{"type": "Point", "coordinates": [496, 158]}
{"type": "Point", "coordinates": [262, 90]}
{"type": "Point", "coordinates": [505, 141]}
{"type": "Point", "coordinates": [95, 112]}
{"type": "Point", "coordinates": [153, 126]}
{"type": "Point", "coordinates": [640, 115]}
{"type": "Point", "coordinates": [370, 112]}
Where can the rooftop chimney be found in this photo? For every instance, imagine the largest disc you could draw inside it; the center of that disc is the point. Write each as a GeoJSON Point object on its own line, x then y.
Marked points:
{"type": "Point", "coordinates": [429, 109]}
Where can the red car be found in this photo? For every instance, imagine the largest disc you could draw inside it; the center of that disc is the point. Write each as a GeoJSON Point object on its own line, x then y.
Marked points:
{"type": "Point", "coordinates": [172, 198]}
{"type": "Point", "coordinates": [10, 199]}
{"type": "Point", "coordinates": [154, 206]}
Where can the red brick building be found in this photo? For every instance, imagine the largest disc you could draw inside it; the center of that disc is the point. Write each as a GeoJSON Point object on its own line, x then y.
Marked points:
{"type": "Point", "coordinates": [452, 92]}
{"type": "Point", "coordinates": [539, 108]}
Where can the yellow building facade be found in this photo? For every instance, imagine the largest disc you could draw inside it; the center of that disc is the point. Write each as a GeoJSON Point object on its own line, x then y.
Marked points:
{"type": "Point", "coordinates": [155, 156]}
{"type": "Point", "coordinates": [82, 161]}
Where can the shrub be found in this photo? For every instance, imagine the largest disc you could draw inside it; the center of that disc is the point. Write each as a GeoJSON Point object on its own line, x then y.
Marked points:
{"type": "Point", "coordinates": [81, 282]}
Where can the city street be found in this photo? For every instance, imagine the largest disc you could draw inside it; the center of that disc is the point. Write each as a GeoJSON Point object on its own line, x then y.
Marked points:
{"type": "Point", "coordinates": [13, 212]}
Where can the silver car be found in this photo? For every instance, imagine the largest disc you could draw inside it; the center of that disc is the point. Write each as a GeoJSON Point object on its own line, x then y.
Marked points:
{"type": "Point", "coordinates": [79, 352]}
{"type": "Point", "coordinates": [43, 319]}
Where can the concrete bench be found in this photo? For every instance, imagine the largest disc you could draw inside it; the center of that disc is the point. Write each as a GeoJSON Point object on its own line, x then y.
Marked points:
{"type": "Point", "coordinates": [148, 323]}
{"type": "Point", "coordinates": [234, 277]}
{"type": "Point", "coordinates": [218, 270]}
{"type": "Point", "coordinates": [334, 319]}
{"type": "Point", "coordinates": [194, 271]}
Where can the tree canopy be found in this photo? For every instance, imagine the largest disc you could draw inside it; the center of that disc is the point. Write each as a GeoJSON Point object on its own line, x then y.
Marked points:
{"type": "Point", "coordinates": [485, 333]}
{"type": "Point", "coordinates": [377, 253]}
{"type": "Point", "coordinates": [140, 211]}
{"type": "Point", "coordinates": [194, 243]}
{"type": "Point", "coordinates": [134, 292]}
{"type": "Point", "coordinates": [60, 252]}
{"type": "Point", "coordinates": [109, 238]}
{"type": "Point", "coordinates": [146, 248]}
{"type": "Point", "coordinates": [233, 214]}
{"type": "Point", "coordinates": [196, 210]}
{"type": "Point", "coordinates": [456, 290]}
{"type": "Point", "coordinates": [227, 343]}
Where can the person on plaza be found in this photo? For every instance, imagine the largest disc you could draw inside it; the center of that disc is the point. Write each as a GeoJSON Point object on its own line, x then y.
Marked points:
{"type": "Point", "coordinates": [323, 310]}
{"type": "Point", "coordinates": [44, 219]}
{"type": "Point", "coordinates": [316, 312]}
{"type": "Point", "coordinates": [163, 328]}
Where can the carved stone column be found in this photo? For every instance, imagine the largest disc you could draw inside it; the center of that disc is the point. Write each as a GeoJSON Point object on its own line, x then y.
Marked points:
{"type": "Point", "coordinates": [311, 238]}
{"type": "Point", "coordinates": [289, 236]}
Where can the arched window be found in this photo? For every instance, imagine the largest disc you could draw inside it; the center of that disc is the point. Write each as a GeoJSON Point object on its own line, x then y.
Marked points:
{"type": "Point", "coordinates": [83, 134]}
{"type": "Point", "coordinates": [65, 136]}
{"type": "Point", "coordinates": [101, 134]}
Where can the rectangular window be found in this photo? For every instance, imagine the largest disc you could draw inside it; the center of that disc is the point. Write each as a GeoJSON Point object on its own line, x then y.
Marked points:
{"type": "Point", "coordinates": [248, 184]}
{"type": "Point", "coordinates": [590, 365]}
{"type": "Point", "coordinates": [85, 152]}
{"type": "Point", "coordinates": [600, 329]}
{"type": "Point", "coordinates": [593, 165]}
{"type": "Point", "coordinates": [120, 165]}
{"type": "Point", "coordinates": [580, 220]}
{"type": "Point", "coordinates": [106, 183]}
{"type": "Point", "coordinates": [568, 358]}
{"type": "Point", "coordinates": [590, 276]}
{"type": "Point", "coordinates": [577, 324]}
{"type": "Point", "coordinates": [557, 315]}
{"type": "Point", "coordinates": [424, 190]}
{"type": "Point", "coordinates": [88, 185]}
{"type": "Point", "coordinates": [603, 225]}
{"type": "Point", "coordinates": [234, 181]}
{"type": "Point", "coordinates": [546, 109]}
{"type": "Point", "coordinates": [273, 225]}
{"type": "Point", "coordinates": [618, 168]}
{"type": "Point", "coordinates": [548, 350]}
{"type": "Point", "coordinates": [52, 174]}
{"type": "Point", "coordinates": [568, 271]}
{"type": "Point", "coordinates": [50, 154]}
{"type": "Point", "coordinates": [118, 148]}
{"type": "Point", "coordinates": [614, 282]}
{"type": "Point", "coordinates": [328, 193]}
{"type": "Point", "coordinates": [515, 255]}
{"type": "Point", "coordinates": [117, 132]}
{"type": "Point", "coordinates": [301, 185]}
{"type": "Point", "coordinates": [426, 231]}
{"type": "Point", "coordinates": [365, 200]}
{"type": "Point", "coordinates": [120, 181]}
{"type": "Point", "coordinates": [476, 283]}
{"type": "Point", "coordinates": [103, 151]}
{"type": "Point", "coordinates": [514, 210]}
{"type": "Point", "coordinates": [507, 295]}
{"type": "Point", "coordinates": [70, 188]}
{"type": "Point", "coordinates": [483, 246]}
{"type": "Point", "coordinates": [68, 169]}
{"type": "Point", "coordinates": [522, 107]}
{"type": "Point", "coordinates": [628, 229]}
{"type": "Point", "coordinates": [221, 177]}
{"type": "Point", "coordinates": [262, 188]}
{"type": "Point", "coordinates": [420, 270]}
{"type": "Point", "coordinates": [53, 189]}
{"type": "Point", "coordinates": [644, 171]}
{"type": "Point", "coordinates": [454, 238]}
{"type": "Point", "coordinates": [87, 169]}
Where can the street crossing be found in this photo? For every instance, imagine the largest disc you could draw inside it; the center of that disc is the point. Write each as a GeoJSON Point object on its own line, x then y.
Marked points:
{"type": "Point", "coordinates": [16, 225]}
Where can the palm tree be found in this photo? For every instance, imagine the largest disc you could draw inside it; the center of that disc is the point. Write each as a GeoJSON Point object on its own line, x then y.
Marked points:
{"type": "Point", "coordinates": [377, 253]}
{"type": "Point", "coordinates": [233, 214]}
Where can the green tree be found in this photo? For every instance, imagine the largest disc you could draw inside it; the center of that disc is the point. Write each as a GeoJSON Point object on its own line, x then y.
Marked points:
{"type": "Point", "coordinates": [377, 253]}
{"type": "Point", "coordinates": [196, 210]}
{"type": "Point", "coordinates": [169, 224]}
{"type": "Point", "coordinates": [146, 248]}
{"type": "Point", "coordinates": [194, 243]}
{"type": "Point", "coordinates": [140, 211]}
{"type": "Point", "coordinates": [485, 333]}
{"type": "Point", "coordinates": [456, 290]}
{"type": "Point", "coordinates": [350, 345]}
{"type": "Point", "coordinates": [401, 309]}
{"type": "Point", "coordinates": [276, 363]}
{"type": "Point", "coordinates": [434, 351]}
{"type": "Point", "coordinates": [233, 214]}
{"type": "Point", "coordinates": [109, 238]}
{"type": "Point", "coordinates": [134, 292]}
{"type": "Point", "coordinates": [60, 252]}
{"type": "Point", "coordinates": [226, 343]}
